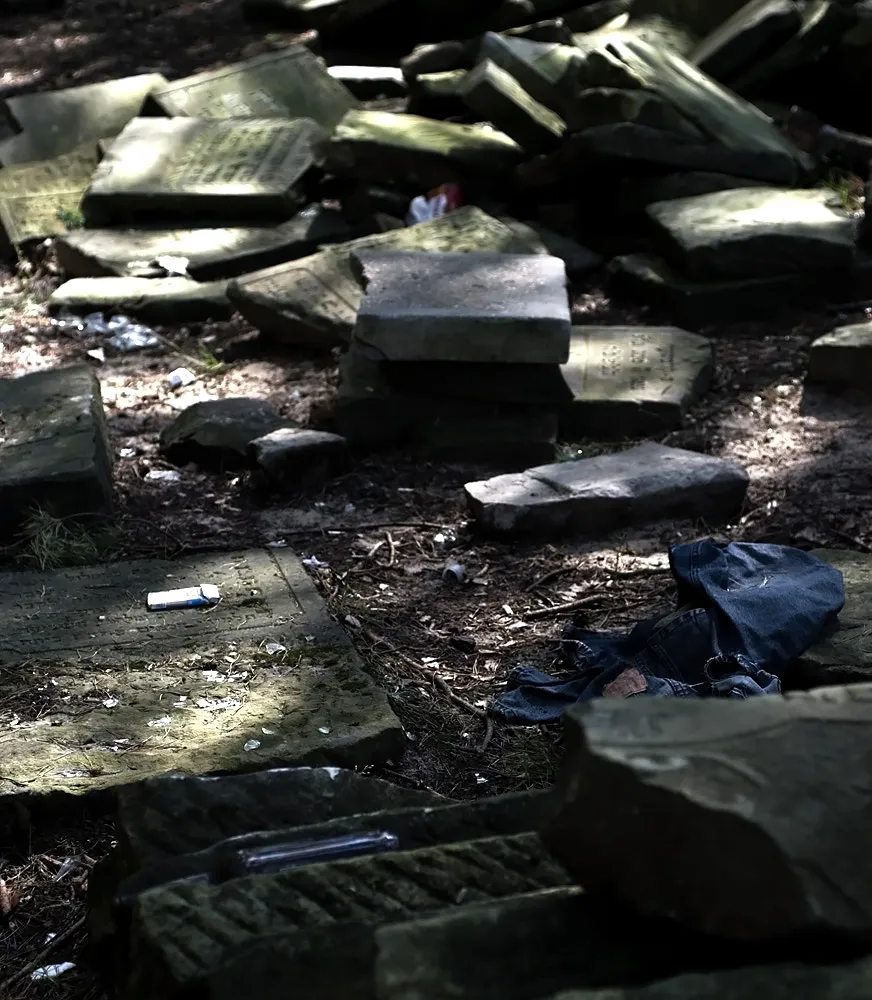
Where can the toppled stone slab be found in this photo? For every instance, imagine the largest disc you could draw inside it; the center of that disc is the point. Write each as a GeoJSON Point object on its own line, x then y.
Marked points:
{"type": "Point", "coordinates": [153, 300]}
{"type": "Point", "coordinates": [548, 72]}
{"type": "Point", "coordinates": [383, 146]}
{"type": "Point", "coordinates": [632, 381]}
{"type": "Point", "coordinates": [211, 254]}
{"type": "Point", "coordinates": [315, 300]}
{"type": "Point", "coordinates": [292, 83]}
{"type": "Point", "coordinates": [499, 98]}
{"type": "Point", "coordinates": [180, 934]}
{"type": "Point", "coordinates": [597, 495]}
{"type": "Point", "coordinates": [469, 307]}
{"type": "Point", "coordinates": [775, 777]}
{"type": "Point", "coordinates": [755, 232]}
{"type": "Point", "coordinates": [371, 82]}
{"type": "Point", "coordinates": [219, 431]}
{"type": "Point", "coordinates": [113, 721]}
{"type": "Point", "coordinates": [296, 458]}
{"type": "Point", "coordinates": [246, 169]}
{"type": "Point", "coordinates": [54, 447]}
{"type": "Point", "coordinates": [598, 106]}
{"type": "Point", "coordinates": [56, 122]}
{"type": "Point", "coordinates": [843, 357]}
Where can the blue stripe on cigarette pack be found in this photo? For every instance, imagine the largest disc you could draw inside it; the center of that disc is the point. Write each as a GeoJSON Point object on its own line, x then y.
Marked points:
{"type": "Point", "coordinates": [203, 596]}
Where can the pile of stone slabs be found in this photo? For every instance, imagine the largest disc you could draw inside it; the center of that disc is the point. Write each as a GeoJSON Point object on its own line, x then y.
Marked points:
{"type": "Point", "coordinates": [97, 691]}
{"type": "Point", "coordinates": [223, 170]}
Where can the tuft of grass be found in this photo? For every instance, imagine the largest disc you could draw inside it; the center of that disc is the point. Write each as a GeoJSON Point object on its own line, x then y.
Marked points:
{"type": "Point", "coordinates": [848, 187]}
{"type": "Point", "coordinates": [208, 359]}
{"type": "Point", "coordinates": [53, 542]}
{"type": "Point", "coordinates": [71, 218]}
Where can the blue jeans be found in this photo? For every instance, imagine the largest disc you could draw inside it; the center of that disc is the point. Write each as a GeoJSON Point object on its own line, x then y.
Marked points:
{"type": "Point", "coordinates": [745, 612]}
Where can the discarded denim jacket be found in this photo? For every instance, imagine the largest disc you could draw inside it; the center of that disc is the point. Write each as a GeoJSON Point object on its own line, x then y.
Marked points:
{"type": "Point", "coordinates": [745, 612]}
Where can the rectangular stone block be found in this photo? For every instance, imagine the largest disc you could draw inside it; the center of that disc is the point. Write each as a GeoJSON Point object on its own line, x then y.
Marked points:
{"type": "Point", "coordinates": [531, 385]}
{"type": "Point", "coordinates": [54, 448]}
{"type": "Point", "coordinates": [211, 254]}
{"type": "Point", "coordinates": [475, 307]}
{"type": "Point", "coordinates": [547, 71]}
{"type": "Point", "coordinates": [632, 382]}
{"type": "Point", "coordinates": [56, 122]}
{"type": "Point", "coordinates": [153, 300]}
{"type": "Point", "coordinates": [292, 83]}
{"type": "Point", "coordinates": [843, 357]}
{"type": "Point", "coordinates": [315, 300]}
{"type": "Point", "coordinates": [597, 495]}
{"type": "Point", "coordinates": [188, 168]}
{"type": "Point", "coordinates": [180, 934]}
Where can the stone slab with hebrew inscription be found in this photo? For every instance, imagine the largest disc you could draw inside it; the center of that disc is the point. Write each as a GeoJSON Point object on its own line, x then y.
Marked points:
{"type": "Point", "coordinates": [632, 381]}
{"type": "Point", "coordinates": [315, 300]}
{"type": "Point", "coordinates": [95, 691]}
{"type": "Point", "coordinates": [293, 83]}
{"type": "Point", "coordinates": [230, 170]}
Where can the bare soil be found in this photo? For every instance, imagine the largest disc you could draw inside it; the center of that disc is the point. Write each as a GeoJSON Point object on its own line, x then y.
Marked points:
{"type": "Point", "coordinates": [382, 534]}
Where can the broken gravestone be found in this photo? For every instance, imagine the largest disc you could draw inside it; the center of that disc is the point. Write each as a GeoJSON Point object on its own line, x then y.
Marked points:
{"type": "Point", "coordinates": [843, 357]}
{"type": "Point", "coordinates": [314, 301]}
{"type": "Point", "coordinates": [292, 83]}
{"type": "Point", "coordinates": [54, 447]}
{"type": "Point", "coordinates": [295, 458]}
{"type": "Point", "coordinates": [463, 307]}
{"type": "Point", "coordinates": [187, 168]}
{"type": "Point", "coordinates": [676, 779]}
{"type": "Point", "coordinates": [55, 122]}
{"type": "Point", "coordinates": [632, 381]}
{"type": "Point", "coordinates": [153, 300]}
{"type": "Point", "coordinates": [295, 692]}
{"type": "Point", "coordinates": [755, 232]}
{"type": "Point", "coordinates": [211, 254]}
{"type": "Point", "coordinates": [598, 495]}
{"type": "Point", "coordinates": [218, 431]}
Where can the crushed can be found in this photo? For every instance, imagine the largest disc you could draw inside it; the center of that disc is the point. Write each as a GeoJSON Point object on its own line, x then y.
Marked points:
{"type": "Point", "coordinates": [203, 596]}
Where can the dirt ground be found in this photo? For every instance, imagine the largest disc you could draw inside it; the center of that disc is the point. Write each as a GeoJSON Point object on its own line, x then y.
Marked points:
{"type": "Point", "coordinates": [383, 533]}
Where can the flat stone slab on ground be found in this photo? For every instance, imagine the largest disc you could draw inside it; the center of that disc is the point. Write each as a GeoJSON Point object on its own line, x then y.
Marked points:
{"type": "Point", "coordinates": [632, 381]}
{"type": "Point", "coordinates": [315, 300]}
{"type": "Point", "coordinates": [211, 254]}
{"type": "Point", "coordinates": [55, 122]}
{"type": "Point", "coordinates": [597, 495]}
{"type": "Point", "coordinates": [54, 447]}
{"type": "Point", "coordinates": [156, 692]}
{"type": "Point", "coordinates": [754, 232]}
{"type": "Point", "coordinates": [166, 169]}
{"type": "Point", "coordinates": [293, 83]}
{"type": "Point", "coordinates": [153, 300]}
{"type": "Point", "coordinates": [463, 307]}
{"type": "Point", "coordinates": [180, 934]}
{"type": "Point", "coordinates": [297, 458]}
{"type": "Point", "coordinates": [382, 146]}
{"type": "Point", "coordinates": [843, 357]}
{"type": "Point", "coordinates": [775, 777]}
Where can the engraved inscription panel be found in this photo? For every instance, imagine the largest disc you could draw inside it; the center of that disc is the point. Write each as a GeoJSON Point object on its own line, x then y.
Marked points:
{"type": "Point", "coordinates": [37, 215]}
{"type": "Point", "coordinates": [629, 364]}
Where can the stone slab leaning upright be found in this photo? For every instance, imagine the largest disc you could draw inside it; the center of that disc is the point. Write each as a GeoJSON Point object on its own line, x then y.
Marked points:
{"type": "Point", "coordinates": [755, 810]}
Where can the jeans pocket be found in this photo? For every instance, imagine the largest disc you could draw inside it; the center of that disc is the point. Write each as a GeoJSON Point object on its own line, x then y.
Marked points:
{"type": "Point", "coordinates": [682, 644]}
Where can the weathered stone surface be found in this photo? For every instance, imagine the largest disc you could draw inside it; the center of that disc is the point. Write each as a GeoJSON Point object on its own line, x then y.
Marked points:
{"type": "Point", "coordinates": [548, 72]}
{"type": "Point", "coordinates": [179, 934]}
{"type": "Point", "coordinates": [41, 199]}
{"type": "Point", "coordinates": [845, 656]}
{"type": "Point", "coordinates": [437, 57]}
{"type": "Point", "coordinates": [218, 431]}
{"type": "Point", "coordinates": [632, 381]}
{"type": "Point", "coordinates": [211, 253]}
{"type": "Point", "coordinates": [635, 194]}
{"type": "Point", "coordinates": [312, 704]}
{"type": "Point", "coordinates": [315, 300]}
{"type": "Point", "coordinates": [503, 383]}
{"type": "Point", "coordinates": [843, 357]}
{"type": "Point", "coordinates": [292, 83]}
{"type": "Point", "coordinates": [296, 458]}
{"type": "Point", "coordinates": [554, 29]}
{"type": "Point", "coordinates": [755, 232]}
{"type": "Point", "coordinates": [595, 15]}
{"type": "Point", "coordinates": [612, 105]}
{"type": "Point", "coordinates": [54, 448]}
{"type": "Point", "coordinates": [578, 258]}
{"type": "Point", "coordinates": [56, 122]}
{"type": "Point", "coordinates": [498, 97]}
{"type": "Point", "coordinates": [797, 981]}
{"type": "Point", "coordinates": [437, 95]}
{"type": "Point", "coordinates": [596, 495]}
{"type": "Point", "coordinates": [237, 169]}
{"type": "Point", "coordinates": [370, 82]}
{"type": "Point", "coordinates": [154, 300]}
{"type": "Point", "coordinates": [676, 779]}
{"type": "Point", "coordinates": [470, 307]}
{"type": "Point", "coordinates": [740, 41]}
{"type": "Point", "coordinates": [382, 146]}
{"type": "Point", "coordinates": [172, 815]}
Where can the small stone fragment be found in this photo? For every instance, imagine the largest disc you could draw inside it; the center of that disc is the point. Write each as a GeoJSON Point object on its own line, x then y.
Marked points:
{"type": "Point", "coordinates": [597, 495]}
{"type": "Point", "coordinates": [296, 458]}
{"type": "Point", "coordinates": [153, 300]}
{"type": "Point", "coordinates": [843, 357]}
